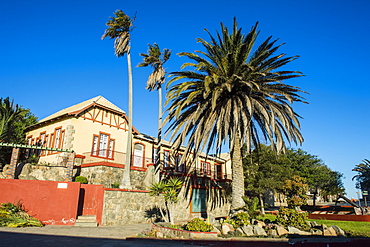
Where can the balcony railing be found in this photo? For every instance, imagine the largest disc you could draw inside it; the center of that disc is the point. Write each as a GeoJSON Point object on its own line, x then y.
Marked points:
{"type": "Point", "coordinates": [104, 156]}
{"type": "Point", "coordinates": [115, 157]}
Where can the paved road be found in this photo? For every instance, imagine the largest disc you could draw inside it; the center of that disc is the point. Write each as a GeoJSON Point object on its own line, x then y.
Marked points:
{"type": "Point", "coordinates": [105, 236]}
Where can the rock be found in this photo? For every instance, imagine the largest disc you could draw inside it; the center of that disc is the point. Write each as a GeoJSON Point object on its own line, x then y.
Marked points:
{"type": "Point", "coordinates": [338, 231]}
{"type": "Point", "coordinates": [260, 223]}
{"type": "Point", "coordinates": [314, 224]}
{"type": "Point", "coordinates": [330, 232]}
{"type": "Point", "coordinates": [159, 235]}
{"type": "Point", "coordinates": [293, 230]}
{"type": "Point", "coordinates": [248, 230]}
{"type": "Point", "coordinates": [281, 230]}
{"type": "Point", "coordinates": [259, 231]}
{"type": "Point", "coordinates": [24, 169]}
{"type": "Point", "coordinates": [272, 233]}
{"type": "Point", "coordinates": [215, 229]}
{"type": "Point", "coordinates": [226, 227]}
{"type": "Point", "coordinates": [5, 170]}
{"type": "Point", "coordinates": [240, 230]}
{"type": "Point", "coordinates": [316, 232]}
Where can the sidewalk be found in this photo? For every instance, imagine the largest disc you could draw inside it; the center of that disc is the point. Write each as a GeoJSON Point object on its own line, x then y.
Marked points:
{"type": "Point", "coordinates": [114, 232]}
{"type": "Point", "coordinates": [110, 236]}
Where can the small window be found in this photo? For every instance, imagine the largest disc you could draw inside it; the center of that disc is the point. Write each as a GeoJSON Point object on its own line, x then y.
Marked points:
{"type": "Point", "coordinates": [138, 155]}
{"type": "Point", "coordinates": [166, 159]}
{"type": "Point", "coordinates": [180, 166]}
{"type": "Point", "coordinates": [155, 155]}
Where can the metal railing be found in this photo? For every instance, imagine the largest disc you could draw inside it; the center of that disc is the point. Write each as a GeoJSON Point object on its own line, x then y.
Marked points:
{"type": "Point", "coordinates": [104, 156]}
{"type": "Point", "coordinates": [115, 157]}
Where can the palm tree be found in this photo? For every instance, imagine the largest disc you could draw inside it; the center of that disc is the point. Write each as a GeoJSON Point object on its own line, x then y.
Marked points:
{"type": "Point", "coordinates": [119, 28]}
{"type": "Point", "coordinates": [363, 176]}
{"type": "Point", "coordinates": [156, 59]}
{"type": "Point", "coordinates": [234, 96]}
{"type": "Point", "coordinates": [170, 190]}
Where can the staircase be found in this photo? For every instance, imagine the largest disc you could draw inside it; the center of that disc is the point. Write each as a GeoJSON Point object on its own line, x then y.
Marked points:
{"type": "Point", "coordinates": [86, 221]}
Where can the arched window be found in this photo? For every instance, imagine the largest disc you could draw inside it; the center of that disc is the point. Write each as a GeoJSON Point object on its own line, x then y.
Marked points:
{"type": "Point", "coordinates": [139, 155]}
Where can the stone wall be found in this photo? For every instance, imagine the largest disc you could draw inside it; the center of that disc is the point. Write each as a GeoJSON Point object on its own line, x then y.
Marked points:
{"type": "Point", "coordinates": [104, 175]}
{"type": "Point", "coordinates": [133, 206]}
{"type": "Point", "coordinates": [127, 207]}
{"type": "Point", "coordinates": [37, 172]}
{"type": "Point", "coordinates": [107, 176]}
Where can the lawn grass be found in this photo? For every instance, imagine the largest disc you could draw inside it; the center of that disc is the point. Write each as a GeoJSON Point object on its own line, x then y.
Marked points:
{"type": "Point", "coordinates": [352, 228]}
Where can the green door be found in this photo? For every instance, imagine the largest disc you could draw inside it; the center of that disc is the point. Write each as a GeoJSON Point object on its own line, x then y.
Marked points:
{"type": "Point", "coordinates": [199, 200]}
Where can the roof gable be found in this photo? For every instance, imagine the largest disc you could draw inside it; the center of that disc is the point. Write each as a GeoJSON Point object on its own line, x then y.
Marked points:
{"type": "Point", "coordinates": [75, 109]}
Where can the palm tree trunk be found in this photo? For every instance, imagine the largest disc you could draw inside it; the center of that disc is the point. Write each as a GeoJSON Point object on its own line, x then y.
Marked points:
{"type": "Point", "coordinates": [237, 174]}
{"type": "Point", "coordinates": [126, 183]}
{"type": "Point", "coordinates": [158, 159]}
{"type": "Point", "coordinates": [161, 211]}
{"type": "Point", "coordinates": [171, 213]}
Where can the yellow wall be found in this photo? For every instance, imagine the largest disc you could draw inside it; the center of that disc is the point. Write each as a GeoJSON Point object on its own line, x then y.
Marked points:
{"type": "Point", "coordinates": [96, 121]}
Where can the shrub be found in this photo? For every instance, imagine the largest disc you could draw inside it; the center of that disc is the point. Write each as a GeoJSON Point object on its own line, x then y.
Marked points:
{"type": "Point", "coordinates": [291, 217]}
{"type": "Point", "coordinates": [239, 220]}
{"type": "Point", "coordinates": [115, 185]}
{"type": "Point", "coordinates": [16, 216]}
{"type": "Point", "coordinates": [81, 179]}
{"type": "Point", "coordinates": [252, 206]}
{"type": "Point", "coordinates": [198, 225]}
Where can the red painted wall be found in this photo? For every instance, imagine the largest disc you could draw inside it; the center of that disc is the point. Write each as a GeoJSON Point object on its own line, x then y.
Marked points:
{"type": "Point", "coordinates": [54, 203]}
{"type": "Point", "coordinates": [365, 218]}
{"type": "Point", "coordinates": [91, 201]}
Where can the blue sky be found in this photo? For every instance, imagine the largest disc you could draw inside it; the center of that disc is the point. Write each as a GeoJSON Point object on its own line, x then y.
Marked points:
{"type": "Point", "coordinates": [52, 57]}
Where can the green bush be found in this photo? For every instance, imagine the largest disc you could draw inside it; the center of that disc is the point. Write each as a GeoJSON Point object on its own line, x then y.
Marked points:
{"type": "Point", "coordinates": [115, 185]}
{"type": "Point", "coordinates": [291, 217]}
{"type": "Point", "coordinates": [239, 220]}
{"type": "Point", "coordinates": [16, 216]}
{"type": "Point", "coordinates": [252, 206]}
{"type": "Point", "coordinates": [198, 225]}
{"type": "Point", "coordinates": [81, 179]}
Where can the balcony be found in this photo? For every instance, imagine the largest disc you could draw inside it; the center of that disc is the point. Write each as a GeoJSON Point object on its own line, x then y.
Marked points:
{"type": "Point", "coordinates": [119, 158]}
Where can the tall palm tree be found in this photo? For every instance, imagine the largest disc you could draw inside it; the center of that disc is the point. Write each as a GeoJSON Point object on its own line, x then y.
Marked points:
{"type": "Point", "coordinates": [363, 176]}
{"type": "Point", "coordinates": [234, 95]}
{"type": "Point", "coordinates": [119, 28]}
{"type": "Point", "coordinates": [156, 59]}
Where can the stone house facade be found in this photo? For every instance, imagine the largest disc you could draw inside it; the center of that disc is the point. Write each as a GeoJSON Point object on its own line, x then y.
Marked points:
{"type": "Point", "coordinates": [96, 130]}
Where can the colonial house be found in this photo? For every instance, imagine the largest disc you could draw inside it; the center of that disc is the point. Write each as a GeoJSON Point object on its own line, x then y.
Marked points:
{"type": "Point", "coordinates": [97, 131]}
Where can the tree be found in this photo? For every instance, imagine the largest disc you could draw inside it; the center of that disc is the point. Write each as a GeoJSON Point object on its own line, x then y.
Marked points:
{"type": "Point", "coordinates": [363, 176]}
{"type": "Point", "coordinates": [234, 96]}
{"type": "Point", "coordinates": [119, 28]}
{"type": "Point", "coordinates": [9, 114]}
{"type": "Point", "coordinates": [319, 177]}
{"type": "Point", "coordinates": [156, 59]}
{"type": "Point", "coordinates": [264, 170]}
{"type": "Point", "coordinates": [13, 121]}
{"type": "Point", "coordinates": [296, 191]}
{"type": "Point", "coordinates": [170, 190]}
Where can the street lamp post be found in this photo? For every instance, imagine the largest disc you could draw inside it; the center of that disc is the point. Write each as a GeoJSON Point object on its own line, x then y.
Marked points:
{"type": "Point", "coordinates": [364, 195]}
{"type": "Point", "coordinates": [359, 201]}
